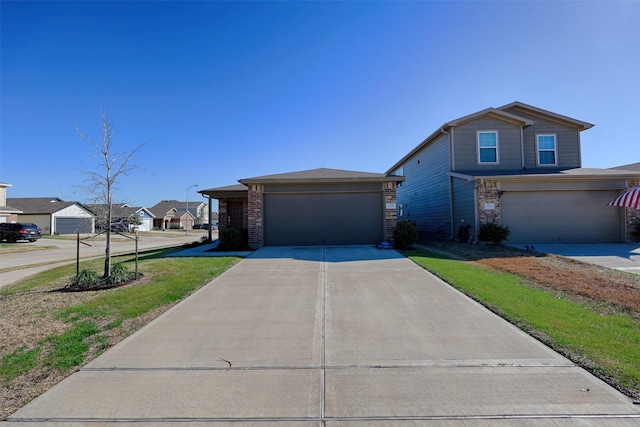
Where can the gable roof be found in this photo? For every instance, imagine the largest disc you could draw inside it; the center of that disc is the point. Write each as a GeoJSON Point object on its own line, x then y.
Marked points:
{"type": "Point", "coordinates": [118, 210]}
{"type": "Point", "coordinates": [320, 175]}
{"type": "Point", "coordinates": [499, 113]}
{"type": "Point", "coordinates": [41, 205]}
{"type": "Point", "coordinates": [521, 106]}
{"type": "Point", "coordinates": [494, 112]}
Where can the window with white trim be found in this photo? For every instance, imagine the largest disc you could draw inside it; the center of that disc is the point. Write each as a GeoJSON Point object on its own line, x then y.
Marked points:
{"type": "Point", "coordinates": [488, 146]}
{"type": "Point", "coordinates": [546, 148]}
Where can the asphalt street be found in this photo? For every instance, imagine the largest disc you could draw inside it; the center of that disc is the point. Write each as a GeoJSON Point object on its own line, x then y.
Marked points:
{"type": "Point", "coordinates": [55, 251]}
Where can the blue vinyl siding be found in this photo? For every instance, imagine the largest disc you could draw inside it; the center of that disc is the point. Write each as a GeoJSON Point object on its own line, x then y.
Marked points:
{"type": "Point", "coordinates": [424, 196]}
{"type": "Point", "coordinates": [464, 211]}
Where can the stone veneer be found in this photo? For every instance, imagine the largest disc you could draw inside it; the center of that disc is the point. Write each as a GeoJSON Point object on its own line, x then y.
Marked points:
{"type": "Point", "coordinates": [489, 192]}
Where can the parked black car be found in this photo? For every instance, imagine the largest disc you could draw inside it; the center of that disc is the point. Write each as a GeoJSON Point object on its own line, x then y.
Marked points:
{"type": "Point", "coordinates": [12, 232]}
{"type": "Point", "coordinates": [205, 226]}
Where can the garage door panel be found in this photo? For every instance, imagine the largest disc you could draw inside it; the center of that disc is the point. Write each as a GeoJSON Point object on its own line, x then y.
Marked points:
{"type": "Point", "coordinates": [324, 218]}
{"type": "Point", "coordinates": [560, 216]}
{"type": "Point", "coordinates": [73, 225]}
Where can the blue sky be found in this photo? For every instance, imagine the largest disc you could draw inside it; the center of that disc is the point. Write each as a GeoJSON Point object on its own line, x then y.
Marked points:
{"type": "Point", "coordinates": [229, 90]}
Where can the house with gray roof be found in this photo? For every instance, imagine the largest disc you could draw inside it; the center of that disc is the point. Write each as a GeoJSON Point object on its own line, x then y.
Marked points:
{"type": "Point", "coordinates": [516, 165]}
{"type": "Point", "coordinates": [312, 207]}
{"type": "Point", "coordinates": [53, 215]}
{"type": "Point", "coordinates": [179, 214]}
{"type": "Point", "coordinates": [131, 218]}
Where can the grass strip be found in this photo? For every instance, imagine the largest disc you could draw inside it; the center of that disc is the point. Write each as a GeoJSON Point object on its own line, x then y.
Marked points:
{"type": "Point", "coordinates": [605, 343]}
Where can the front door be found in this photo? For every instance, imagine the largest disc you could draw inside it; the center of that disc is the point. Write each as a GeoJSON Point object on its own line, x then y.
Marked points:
{"type": "Point", "coordinates": [235, 216]}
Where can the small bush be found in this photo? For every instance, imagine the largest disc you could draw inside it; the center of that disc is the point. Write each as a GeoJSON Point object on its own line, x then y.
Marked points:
{"type": "Point", "coordinates": [492, 232]}
{"type": "Point", "coordinates": [86, 278]}
{"type": "Point", "coordinates": [120, 273]}
{"type": "Point", "coordinates": [405, 234]}
{"type": "Point", "coordinates": [233, 239]}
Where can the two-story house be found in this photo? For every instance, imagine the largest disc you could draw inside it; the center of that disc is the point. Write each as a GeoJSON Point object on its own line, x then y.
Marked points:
{"type": "Point", "coordinates": [7, 213]}
{"type": "Point", "coordinates": [516, 165]}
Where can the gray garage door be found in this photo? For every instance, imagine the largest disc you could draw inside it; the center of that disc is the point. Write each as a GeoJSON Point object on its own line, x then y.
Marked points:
{"type": "Point", "coordinates": [561, 216]}
{"type": "Point", "coordinates": [73, 225]}
{"type": "Point", "coordinates": [323, 219]}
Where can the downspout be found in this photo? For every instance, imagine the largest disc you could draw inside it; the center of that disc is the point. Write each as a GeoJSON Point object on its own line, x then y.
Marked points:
{"type": "Point", "coordinates": [522, 147]}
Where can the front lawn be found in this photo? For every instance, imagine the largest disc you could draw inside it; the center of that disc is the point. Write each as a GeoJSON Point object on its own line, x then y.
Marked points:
{"type": "Point", "coordinates": [46, 334]}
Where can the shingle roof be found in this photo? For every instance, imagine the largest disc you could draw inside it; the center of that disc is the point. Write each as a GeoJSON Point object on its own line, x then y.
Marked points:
{"type": "Point", "coordinates": [629, 167]}
{"type": "Point", "coordinates": [40, 205]}
{"type": "Point", "coordinates": [228, 191]}
{"type": "Point", "coordinates": [581, 173]}
{"type": "Point", "coordinates": [321, 175]}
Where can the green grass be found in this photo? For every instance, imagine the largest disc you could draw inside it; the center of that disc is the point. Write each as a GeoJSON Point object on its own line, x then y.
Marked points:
{"type": "Point", "coordinates": [605, 342]}
{"type": "Point", "coordinates": [169, 280]}
{"type": "Point", "coordinates": [18, 362]}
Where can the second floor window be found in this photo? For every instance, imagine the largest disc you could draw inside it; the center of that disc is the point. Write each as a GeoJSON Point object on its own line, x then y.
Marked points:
{"type": "Point", "coordinates": [488, 147]}
{"type": "Point", "coordinates": [546, 150]}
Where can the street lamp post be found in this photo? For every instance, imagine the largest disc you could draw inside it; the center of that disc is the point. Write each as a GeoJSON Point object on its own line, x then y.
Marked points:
{"type": "Point", "coordinates": [187, 201]}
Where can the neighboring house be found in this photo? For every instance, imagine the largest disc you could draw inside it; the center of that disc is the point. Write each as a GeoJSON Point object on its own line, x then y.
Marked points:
{"type": "Point", "coordinates": [314, 207]}
{"type": "Point", "coordinates": [133, 218]}
{"type": "Point", "coordinates": [173, 214]}
{"type": "Point", "coordinates": [516, 165]}
{"type": "Point", "coordinates": [7, 213]}
{"type": "Point", "coordinates": [54, 215]}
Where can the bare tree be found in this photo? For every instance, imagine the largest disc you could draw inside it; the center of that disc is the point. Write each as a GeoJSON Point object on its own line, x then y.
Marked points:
{"type": "Point", "coordinates": [101, 182]}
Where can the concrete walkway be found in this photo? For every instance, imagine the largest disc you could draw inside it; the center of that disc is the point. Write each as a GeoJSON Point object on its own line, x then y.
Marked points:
{"type": "Point", "coordinates": [618, 256]}
{"type": "Point", "coordinates": [330, 336]}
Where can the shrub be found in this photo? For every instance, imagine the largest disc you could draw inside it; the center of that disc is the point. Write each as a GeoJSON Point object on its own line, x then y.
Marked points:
{"type": "Point", "coordinates": [492, 232]}
{"type": "Point", "coordinates": [405, 234]}
{"type": "Point", "coordinates": [233, 239]}
{"type": "Point", "coordinates": [119, 273]}
{"type": "Point", "coordinates": [86, 278]}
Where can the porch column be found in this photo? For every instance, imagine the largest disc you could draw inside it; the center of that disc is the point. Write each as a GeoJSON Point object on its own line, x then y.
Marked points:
{"type": "Point", "coordinates": [255, 215]}
{"type": "Point", "coordinates": [390, 211]}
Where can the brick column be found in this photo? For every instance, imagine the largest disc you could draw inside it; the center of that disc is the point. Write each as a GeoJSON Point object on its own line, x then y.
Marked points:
{"type": "Point", "coordinates": [222, 214]}
{"type": "Point", "coordinates": [390, 212]}
{"type": "Point", "coordinates": [254, 210]}
{"type": "Point", "coordinates": [489, 202]}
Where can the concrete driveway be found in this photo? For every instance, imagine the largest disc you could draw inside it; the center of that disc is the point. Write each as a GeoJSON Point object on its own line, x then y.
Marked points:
{"type": "Point", "coordinates": [618, 256]}
{"type": "Point", "coordinates": [330, 336]}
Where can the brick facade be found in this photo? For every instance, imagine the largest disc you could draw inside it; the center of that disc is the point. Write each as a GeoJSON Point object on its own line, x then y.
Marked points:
{"type": "Point", "coordinates": [390, 212]}
{"type": "Point", "coordinates": [255, 218]}
{"type": "Point", "coordinates": [489, 194]}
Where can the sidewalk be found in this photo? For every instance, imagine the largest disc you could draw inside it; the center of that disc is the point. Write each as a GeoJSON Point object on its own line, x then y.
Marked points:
{"type": "Point", "coordinates": [330, 336]}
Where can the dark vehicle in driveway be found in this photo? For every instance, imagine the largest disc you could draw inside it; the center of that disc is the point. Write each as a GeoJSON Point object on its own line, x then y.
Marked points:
{"type": "Point", "coordinates": [205, 226]}
{"type": "Point", "coordinates": [12, 232]}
